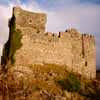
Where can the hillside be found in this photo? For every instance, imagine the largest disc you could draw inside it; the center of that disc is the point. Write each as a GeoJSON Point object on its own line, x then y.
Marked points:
{"type": "Point", "coordinates": [46, 82]}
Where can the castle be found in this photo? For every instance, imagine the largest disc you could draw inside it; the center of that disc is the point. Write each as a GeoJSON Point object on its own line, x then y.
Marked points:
{"type": "Point", "coordinates": [29, 44]}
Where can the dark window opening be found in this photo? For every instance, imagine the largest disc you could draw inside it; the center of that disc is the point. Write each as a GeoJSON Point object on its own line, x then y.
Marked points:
{"type": "Point", "coordinates": [42, 19]}
{"type": "Point", "coordinates": [86, 63]}
{"type": "Point", "coordinates": [30, 21]}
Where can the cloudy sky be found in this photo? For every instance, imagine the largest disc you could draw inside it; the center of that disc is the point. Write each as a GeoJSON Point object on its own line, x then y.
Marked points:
{"type": "Point", "coordinates": [83, 15]}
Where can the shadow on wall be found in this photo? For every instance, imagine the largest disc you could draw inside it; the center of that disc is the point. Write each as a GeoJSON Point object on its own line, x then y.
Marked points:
{"type": "Point", "coordinates": [97, 59]}
{"type": "Point", "coordinates": [97, 52]}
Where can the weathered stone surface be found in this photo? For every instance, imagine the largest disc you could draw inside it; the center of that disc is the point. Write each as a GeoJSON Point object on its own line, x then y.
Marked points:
{"type": "Point", "coordinates": [24, 19]}
{"type": "Point", "coordinates": [70, 48]}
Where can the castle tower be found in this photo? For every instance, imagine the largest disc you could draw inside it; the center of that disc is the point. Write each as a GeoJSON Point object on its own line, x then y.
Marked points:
{"type": "Point", "coordinates": [22, 25]}
{"type": "Point", "coordinates": [89, 55]}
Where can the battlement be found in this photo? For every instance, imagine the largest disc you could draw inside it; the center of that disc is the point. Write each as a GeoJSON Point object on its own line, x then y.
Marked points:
{"type": "Point", "coordinates": [90, 36]}
{"type": "Point", "coordinates": [26, 45]}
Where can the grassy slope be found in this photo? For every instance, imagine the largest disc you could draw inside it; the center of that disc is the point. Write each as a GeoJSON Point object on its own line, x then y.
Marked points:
{"type": "Point", "coordinates": [48, 82]}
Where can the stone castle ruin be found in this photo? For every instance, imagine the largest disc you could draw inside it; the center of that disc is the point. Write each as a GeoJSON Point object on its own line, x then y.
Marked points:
{"type": "Point", "coordinates": [29, 44]}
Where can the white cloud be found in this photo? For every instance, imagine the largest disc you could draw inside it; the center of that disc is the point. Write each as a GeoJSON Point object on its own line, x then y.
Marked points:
{"type": "Point", "coordinates": [4, 16]}
{"type": "Point", "coordinates": [85, 18]}
{"type": "Point", "coordinates": [1, 47]}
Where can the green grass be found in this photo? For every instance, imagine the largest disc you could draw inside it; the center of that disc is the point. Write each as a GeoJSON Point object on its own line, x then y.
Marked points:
{"type": "Point", "coordinates": [71, 83]}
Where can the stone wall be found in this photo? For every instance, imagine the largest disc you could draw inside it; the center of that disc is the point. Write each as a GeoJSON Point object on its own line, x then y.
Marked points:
{"type": "Point", "coordinates": [74, 50]}
{"type": "Point", "coordinates": [36, 21]}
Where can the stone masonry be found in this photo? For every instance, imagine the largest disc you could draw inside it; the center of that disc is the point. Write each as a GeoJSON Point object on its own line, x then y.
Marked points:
{"type": "Point", "coordinates": [70, 48]}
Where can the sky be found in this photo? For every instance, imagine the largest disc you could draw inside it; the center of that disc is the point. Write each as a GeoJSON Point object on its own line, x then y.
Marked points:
{"type": "Point", "coordinates": [84, 15]}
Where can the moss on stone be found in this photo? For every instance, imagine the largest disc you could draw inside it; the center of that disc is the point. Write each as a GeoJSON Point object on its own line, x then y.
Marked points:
{"type": "Point", "coordinates": [16, 44]}
{"type": "Point", "coordinates": [15, 41]}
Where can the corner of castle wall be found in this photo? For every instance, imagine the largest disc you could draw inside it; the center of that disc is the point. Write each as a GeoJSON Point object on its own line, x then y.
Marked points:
{"type": "Point", "coordinates": [88, 37]}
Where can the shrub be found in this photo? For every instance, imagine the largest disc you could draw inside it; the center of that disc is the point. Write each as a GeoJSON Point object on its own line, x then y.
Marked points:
{"type": "Point", "coordinates": [71, 83]}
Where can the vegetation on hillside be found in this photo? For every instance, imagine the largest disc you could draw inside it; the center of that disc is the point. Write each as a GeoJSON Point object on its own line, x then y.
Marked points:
{"type": "Point", "coordinates": [71, 83]}
{"type": "Point", "coordinates": [48, 82]}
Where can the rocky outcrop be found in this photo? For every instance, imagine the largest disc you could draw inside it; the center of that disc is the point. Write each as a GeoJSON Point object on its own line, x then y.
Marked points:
{"type": "Point", "coordinates": [41, 82]}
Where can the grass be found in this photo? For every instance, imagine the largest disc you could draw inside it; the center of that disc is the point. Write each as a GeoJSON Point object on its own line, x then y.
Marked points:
{"type": "Point", "coordinates": [54, 79]}
{"type": "Point", "coordinates": [71, 83]}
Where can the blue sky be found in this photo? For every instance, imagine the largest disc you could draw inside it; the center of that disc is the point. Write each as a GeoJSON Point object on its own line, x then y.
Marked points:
{"type": "Point", "coordinates": [83, 15]}
{"type": "Point", "coordinates": [51, 3]}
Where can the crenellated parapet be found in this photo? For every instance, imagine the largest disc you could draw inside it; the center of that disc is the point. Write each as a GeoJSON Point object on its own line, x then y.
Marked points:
{"type": "Point", "coordinates": [88, 36]}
